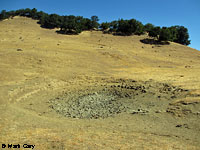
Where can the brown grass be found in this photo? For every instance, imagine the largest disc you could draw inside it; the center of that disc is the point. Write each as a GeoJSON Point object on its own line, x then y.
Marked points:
{"type": "Point", "coordinates": [49, 64]}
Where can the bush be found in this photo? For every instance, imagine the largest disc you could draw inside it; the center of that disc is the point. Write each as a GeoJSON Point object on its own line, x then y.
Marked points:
{"type": "Point", "coordinates": [182, 35]}
{"type": "Point", "coordinates": [94, 22]}
{"type": "Point", "coordinates": [148, 27]}
{"type": "Point", "coordinates": [104, 26]}
{"type": "Point", "coordinates": [129, 27]}
{"type": "Point", "coordinates": [165, 34]}
{"type": "Point", "coordinates": [154, 32]}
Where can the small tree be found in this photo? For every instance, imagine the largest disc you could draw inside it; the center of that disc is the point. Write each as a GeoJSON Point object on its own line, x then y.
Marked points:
{"type": "Point", "coordinates": [148, 27]}
{"type": "Point", "coordinates": [155, 32]}
{"type": "Point", "coordinates": [43, 19]}
{"type": "Point", "coordinates": [27, 12]}
{"type": "Point", "coordinates": [20, 12]}
{"type": "Point", "coordinates": [165, 34]}
{"type": "Point", "coordinates": [104, 25]}
{"type": "Point", "coordinates": [34, 13]}
{"type": "Point", "coordinates": [71, 25]}
{"type": "Point", "coordinates": [139, 28]}
{"type": "Point", "coordinates": [174, 33]}
{"type": "Point", "coordinates": [182, 36]}
{"type": "Point", "coordinates": [3, 15]}
{"type": "Point", "coordinates": [114, 26]}
{"type": "Point", "coordinates": [86, 24]}
{"type": "Point", "coordinates": [124, 27]}
{"type": "Point", "coordinates": [94, 22]}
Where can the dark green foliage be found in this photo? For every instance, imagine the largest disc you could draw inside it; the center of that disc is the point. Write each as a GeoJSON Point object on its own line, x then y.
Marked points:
{"type": "Point", "coordinates": [154, 32]}
{"type": "Point", "coordinates": [3, 15]}
{"type": "Point", "coordinates": [113, 26]}
{"type": "Point", "coordinates": [123, 27]}
{"type": "Point", "coordinates": [34, 13]}
{"type": "Point", "coordinates": [10, 14]}
{"type": "Point", "coordinates": [174, 33]}
{"type": "Point", "coordinates": [178, 34]}
{"type": "Point", "coordinates": [19, 12]}
{"type": "Point", "coordinates": [51, 21]}
{"type": "Point", "coordinates": [139, 28]}
{"type": "Point", "coordinates": [105, 26]}
{"type": "Point", "coordinates": [129, 27]}
{"type": "Point", "coordinates": [165, 34]}
{"type": "Point", "coordinates": [27, 12]}
{"type": "Point", "coordinates": [182, 36]}
{"type": "Point", "coordinates": [71, 25]}
{"type": "Point", "coordinates": [40, 15]}
{"type": "Point", "coordinates": [77, 24]}
{"type": "Point", "coordinates": [86, 24]}
{"type": "Point", "coordinates": [148, 27]}
{"type": "Point", "coordinates": [94, 22]}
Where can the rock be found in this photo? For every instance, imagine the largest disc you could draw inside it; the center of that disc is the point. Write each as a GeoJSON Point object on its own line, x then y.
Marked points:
{"type": "Point", "coordinates": [139, 111]}
{"type": "Point", "coordinates": [19, 49]}
{"type": "Point", "coordinates": [179, 125]}
{"type": "Point", "coordinates": [157, 111]}
{"type": "Point", "coordinates": [184, 126]}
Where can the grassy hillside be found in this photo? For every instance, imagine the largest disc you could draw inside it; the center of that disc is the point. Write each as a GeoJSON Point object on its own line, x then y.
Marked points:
{"type": "Point", "coordinates": [38, 65]}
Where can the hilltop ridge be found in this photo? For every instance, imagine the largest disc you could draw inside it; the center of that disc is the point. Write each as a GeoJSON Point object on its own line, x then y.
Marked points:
{"type": "Point", "coordinates": [76, 24]}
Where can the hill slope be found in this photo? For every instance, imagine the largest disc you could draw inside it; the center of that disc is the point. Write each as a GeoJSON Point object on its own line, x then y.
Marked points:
{"type": "Point", "coordinates": [40, 70]}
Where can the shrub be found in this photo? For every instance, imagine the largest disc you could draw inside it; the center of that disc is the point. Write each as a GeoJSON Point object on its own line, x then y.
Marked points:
{"type": "Point", "coordinates": [154, 32]}
{"type": "Point", "coordinates": [165, 34]}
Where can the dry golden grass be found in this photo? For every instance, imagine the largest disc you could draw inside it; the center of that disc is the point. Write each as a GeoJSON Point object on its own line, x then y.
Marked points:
{"type": "Point", "coordinates": [37, 64]}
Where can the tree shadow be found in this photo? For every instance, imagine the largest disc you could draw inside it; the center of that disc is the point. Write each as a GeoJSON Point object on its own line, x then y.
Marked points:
{"type": "Point", "coordinates": [46, 27]}
{"type": "Point", "coordinates": [66, 33]}
{"type": "Point", "coordinates": [154, 42]}
{"type": "Point", "coordinates": [121, 34]}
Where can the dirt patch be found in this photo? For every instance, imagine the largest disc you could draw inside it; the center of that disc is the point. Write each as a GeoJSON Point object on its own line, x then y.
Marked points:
{"type": "Point", "coordinates": [119, 96]}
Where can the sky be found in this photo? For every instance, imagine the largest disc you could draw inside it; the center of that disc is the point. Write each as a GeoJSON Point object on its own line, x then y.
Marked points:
{"type": "Point", "coordinates": [158, 12]}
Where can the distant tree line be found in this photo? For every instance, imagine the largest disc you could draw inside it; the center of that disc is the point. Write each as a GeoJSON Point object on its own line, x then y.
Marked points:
{"type": "Point", "coordinates": [76, 24]}
{"type": "Point", "coordinates": [178, 34]}
{"type": "Point", "coordinates": [67, 24]}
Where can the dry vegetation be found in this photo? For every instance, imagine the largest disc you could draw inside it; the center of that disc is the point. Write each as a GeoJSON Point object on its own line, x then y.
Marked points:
{"type": "Point", "coordinates": [38, 66]}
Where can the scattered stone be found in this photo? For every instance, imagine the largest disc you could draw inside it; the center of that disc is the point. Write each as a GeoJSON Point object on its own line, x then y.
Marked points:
{"type": "Point", "coordinates": [173, 97]}
{"type": "Point", "coordinates": [184, 126]}
{"type": "Point", "coordinates": [187, 66]}
{"type": "Point", "coordinates": [19, 49]}
{"type": "Point", "coordinates": [198, 113]}
{"type": "Point", "coordinates": [157, 111]}
{"type": "Point", "coordinates": [179, 125]}
{"type": "Point", "coordinates": [118, 96]}
{"type": "Point", "coordinates": [92, 106]}
{"type": "Point", "coordinates": [139, 111]}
